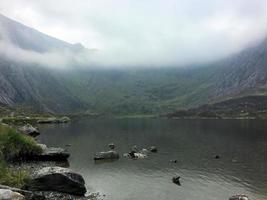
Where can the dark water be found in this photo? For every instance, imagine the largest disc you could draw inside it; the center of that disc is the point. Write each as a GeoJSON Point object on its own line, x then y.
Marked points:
{"type": "Point", "coordinates": [242, 168]}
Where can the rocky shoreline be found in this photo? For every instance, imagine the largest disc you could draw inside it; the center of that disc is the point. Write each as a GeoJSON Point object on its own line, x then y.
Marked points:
{"type": "Point", "coordinates": [50, 177]}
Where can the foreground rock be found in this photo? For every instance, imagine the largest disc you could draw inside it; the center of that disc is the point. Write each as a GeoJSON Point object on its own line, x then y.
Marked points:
{"type": "Point", "coordinates": [29, 130]}
{"type": "Point", "coordinates": [6, 194]}
{"type": "Point", "coordinates": [51, 154]}
{"type": "Point", "coordinates": [107, 155]}
{"type": "Point", "coordinates": [239, 197]}
{"type": "Point", "coordinates": [58, 179]}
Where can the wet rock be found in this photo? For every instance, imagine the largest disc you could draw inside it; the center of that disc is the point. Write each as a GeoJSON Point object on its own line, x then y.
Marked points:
{"type": "Point", "coordinates": [58, 179]}
{"type": "Point", "coordinates": [50, 154]}
{"type": "Point", "coordinates": [111, 146]}
{"type": "Point", "coordinates": [29, 130]}
{"type": "Point", "coordinates": [106, 155]}
{"type": "Point", "coordinates": [239, 197]}
{"type": "Point", "coordinates": [153, 149]}
{"type": "Point", "coordinates": [176, 180]}
{"type": "Point", "coordinates": [6, 194]}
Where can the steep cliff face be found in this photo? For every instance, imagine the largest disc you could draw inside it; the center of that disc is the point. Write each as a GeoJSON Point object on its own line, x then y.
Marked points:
{"type": "Point", "coordinates": [244, 73]}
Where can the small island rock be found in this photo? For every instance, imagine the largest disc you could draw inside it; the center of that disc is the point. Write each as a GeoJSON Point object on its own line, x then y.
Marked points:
{"type": "Point", "coordinates": [106, 155]}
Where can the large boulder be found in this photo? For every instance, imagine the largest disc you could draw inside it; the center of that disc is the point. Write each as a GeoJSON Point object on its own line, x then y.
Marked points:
{"type": "Point", "coordinates": [107, 155]}
{"type": "Point", "coordinates": [51, 154]}
{"type": "Point", "coordinates": [58, 179]}
{"type": "Point", "coordinates": [239, 197]}
{"type": "Point", "coordinates": [6, 194]}
{"type": "Point", "coordinates": [29, 130]}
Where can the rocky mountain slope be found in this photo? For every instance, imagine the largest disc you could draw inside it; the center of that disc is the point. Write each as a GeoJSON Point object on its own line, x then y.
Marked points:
{"type": "Point", "coordinates": [121, 91]}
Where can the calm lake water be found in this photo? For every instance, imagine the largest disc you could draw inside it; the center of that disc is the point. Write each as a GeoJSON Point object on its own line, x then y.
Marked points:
{"type": "Point", "coordinates": [242, 168]}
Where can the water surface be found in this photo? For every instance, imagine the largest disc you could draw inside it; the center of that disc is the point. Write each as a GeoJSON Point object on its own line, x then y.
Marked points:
{"type": "Point", "coordinates": [241, 169]}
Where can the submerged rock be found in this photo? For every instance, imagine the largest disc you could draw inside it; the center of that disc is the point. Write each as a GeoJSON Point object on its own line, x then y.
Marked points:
{"type": "Point", "coordinates": [106, 155]}
{"type": "Point", "coordinates": [29, 130]}
{"type": "Point", "coordinates": [6, 194]}
{"type": "Point", "coordinates": [173, 161]}
{"type": "Point", "coordinates": [239, 197]}
{"type": "Point", "coordinates": [217, 157]}
{"type": "Point", "coordinates": [58, 179]}
{"type": "Point", "coordinates": [176, 180]}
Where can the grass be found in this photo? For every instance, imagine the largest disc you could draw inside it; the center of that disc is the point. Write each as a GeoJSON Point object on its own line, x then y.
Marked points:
{"type": "Point", "coordinates": [14, 146]}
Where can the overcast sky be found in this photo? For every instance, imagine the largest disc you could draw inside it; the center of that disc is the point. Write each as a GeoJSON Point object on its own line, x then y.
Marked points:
{"type": "Point", "coordinates": [147, 32]}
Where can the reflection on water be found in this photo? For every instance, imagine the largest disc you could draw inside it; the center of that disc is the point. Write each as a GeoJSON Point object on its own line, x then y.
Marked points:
{"type": "Point", "coordinates": [241, 169]}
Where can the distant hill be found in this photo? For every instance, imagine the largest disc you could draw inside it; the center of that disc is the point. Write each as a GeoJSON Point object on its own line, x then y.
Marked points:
{"type": "Point", "coordinates": [248, 107]}
{"type": "Point", "coordinates": [121, 91]}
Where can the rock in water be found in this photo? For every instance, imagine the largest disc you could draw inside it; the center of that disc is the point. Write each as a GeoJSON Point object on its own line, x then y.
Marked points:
{"type": "Point", "coordinates": [176, 180]}
{"type": "Point", "coordinates": [111, 146]}
{"type": "Point", "coordinates": [51, 154]}
{"type": "Point", "coordinates": [29, 130]}
{"type": "Point", "coordinates": [6, 194]}
{"type": "Point", "coordinates": [58, 179]}
{"type": "Point", "coordinates": [153, 149]}
{"type": "Point", "coordinates": [239, 197]}
{"type": "Point", "coordinates": [106, 155]}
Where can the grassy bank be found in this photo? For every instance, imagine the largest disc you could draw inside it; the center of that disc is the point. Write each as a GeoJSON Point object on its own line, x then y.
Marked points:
{"type": "Point", "coordinates": [14, 146]}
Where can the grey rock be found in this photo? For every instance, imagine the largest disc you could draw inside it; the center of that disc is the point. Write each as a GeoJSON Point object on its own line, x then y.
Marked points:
{"type": "Point", "coordinates": [29, 130]}
{"type": "Point", "coordinates": [239, 197]}
{"type": "Point", "coordinates": [51, 154]}
{"type": "Point", "coordinates": [6, 194]}
{"type": "Point", "coordinates": [58, 179]}
{"type": "Point", "coordinates": [153, 149]}
{"type": "Point", "coordinates": [106, 155]}
{"type": "Point", "coordinates": [176, 180]}
{"type": "Point", "coordinates": [111, 146]}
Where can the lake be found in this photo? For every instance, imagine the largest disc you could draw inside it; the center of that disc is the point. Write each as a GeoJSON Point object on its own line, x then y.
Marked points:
{"type": "Point", "coordinates": [241, 169]}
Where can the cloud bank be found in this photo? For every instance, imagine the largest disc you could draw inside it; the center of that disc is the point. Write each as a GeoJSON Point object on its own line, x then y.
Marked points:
{"type": "Point", "coordinates": [144, 33]}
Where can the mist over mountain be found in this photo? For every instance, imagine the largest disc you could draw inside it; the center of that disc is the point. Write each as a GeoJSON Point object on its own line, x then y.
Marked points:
{"type": "Point", "coordinates": [31, 76]}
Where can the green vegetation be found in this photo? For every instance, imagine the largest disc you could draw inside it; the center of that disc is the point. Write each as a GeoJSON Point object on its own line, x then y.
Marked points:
{"type": "Point", "coordinates": [14, 146]}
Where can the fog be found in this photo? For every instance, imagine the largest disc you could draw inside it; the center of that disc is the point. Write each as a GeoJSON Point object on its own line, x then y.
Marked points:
{"type": "Point", "coordinates": [135, 33]}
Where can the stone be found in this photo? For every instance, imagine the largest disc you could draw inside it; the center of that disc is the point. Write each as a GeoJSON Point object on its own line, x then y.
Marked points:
{"type": "Point", "coordinates": [57, 179]}
{"type": "Point", "coordinates": [51, 154]}
{"type": "Point", "coordinates": [176, 180]}
{"type": "Point", "coordinates": [111, 146]}
{"type": "Point", "coordinates": [6, 194]}
{"type": "Point", "coordinates": [29, 130]}
{"type": "Point", "coordinates": [106, 155]}
{"type": "Point", "coordinates": [153, 149]}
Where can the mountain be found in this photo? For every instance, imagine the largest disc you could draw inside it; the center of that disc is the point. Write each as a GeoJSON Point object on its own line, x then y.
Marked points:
{"type": "Point", "coordinates": [121, 91]}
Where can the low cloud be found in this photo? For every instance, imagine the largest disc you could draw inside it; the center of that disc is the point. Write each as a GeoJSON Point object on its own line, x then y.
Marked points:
{"type": "Point", "coordinates": [131, 33]}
